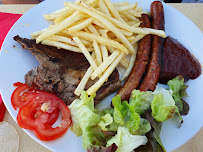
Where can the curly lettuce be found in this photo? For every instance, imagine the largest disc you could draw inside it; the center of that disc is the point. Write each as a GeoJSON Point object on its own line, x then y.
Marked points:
{"type": "Point", "coordinates": [178, 89]}
{"type": "Point", "coordinates": [85, 121]}
{"type": "Point", "coordinates": [163, 106]}
{"type": "Point", "coordinates": [141, 101]}
{"type": "Point", "coordinates": [125, 141]}
{"type": "Point", "coordinates": [144, 127]}
{"type": "Point", "coordinates": [125, 115]}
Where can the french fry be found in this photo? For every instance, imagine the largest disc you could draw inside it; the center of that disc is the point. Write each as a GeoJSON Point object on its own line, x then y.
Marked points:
{"type": "Point", "coordinates": [62, 45]}
{"type": "Point", "coordinates": [99, 39]}
{"type": "Point", "coordinates": [93, 55]}
{"type": "Point", "coordinates": [104, 52]}
{"type": "Point", "coordinates": [136, 25]}
{"type": "Point", "coordinates": [103, 47]}
{"type": "Point", "coordinates": [129, 16]}
{"type": "Point", "coordinates": [119, 4]}
{"type": "Point", "coordinates": [104, 65]}
{"type": "Point", "coordinates": [160, 33]}
{"type": "Point", "coordinates": [81, 25]}
{"type": "Point", "coordinates": [145, 12]}
{"type": "Point", "coordinates": [113, 10]}
{"type": "Point", "coordinates": [64, 24]}
{"type": "Point", "coordinates": [108, 72]}
{"type": "Point", "coordinates": [139, 9]}
{"type": "Point", "coordinates": [137, 38]}
{"type": "Point", "coordinates": [86, 43]}
{"type": "Point", "coordinates": [126, 33]}
{"type": "Point", "coordinates": [92, 29]}
{"type": "Point", "coordinates": [98, 23]}
{"type": "Point", "coordinates": [86, 30]}
{"type": "Point", "coordinates": [131, 23]}
{"type": "Point", "coordinates": [117, 22]}
{"type": "Point", "coordinates": [123, 63]}
{"type": "Point", "coordinates": [130, 38]}
{"type": "Point", "coordinates": [97, 53]}
{"type": "Point", "coordinates": [125, 60]}
{"type": "Point", "coordinates": [50, 16]}
{"type": "Point", "coordinates": [55, 14]}
{"type": "Point", "coordinates": [126, 8]}
{"type": "Point", "coordinates": [106, 23]}
{"type": "Point", "coordinates": [78, 22]}
{"type": "Point", "coordinates": [85, 52]}
{"type": "Point", "coordinates": [59, 11]}
{"type": "Point", "coordinates": [132, 61]}
{"type": "Point", "coordinates": [36, 34]}
{"type": "Point", "coordinates": [91, 2]}
{"type": "Point", "coordinates": [62, 39]}
{"type": "Point", "coordinates": [83, 82]}
{"type": "Point", "coordinates": [134, 13]}
{"type": "Point", "coordinates": [124, 18]}
{"type": "Point", "coordinates": [63, 15]}
{"type": "Point", "coordinates": [103, 7]}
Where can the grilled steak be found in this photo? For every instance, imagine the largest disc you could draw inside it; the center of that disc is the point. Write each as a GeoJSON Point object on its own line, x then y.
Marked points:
{"type": "Point", "coordinates": [60, 71]}
{"type": "Point", "coordinates": [177, 60]}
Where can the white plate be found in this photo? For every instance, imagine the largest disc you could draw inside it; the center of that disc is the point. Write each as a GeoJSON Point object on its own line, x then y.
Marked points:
{"type": "Point", "coordinates": [16, 62]}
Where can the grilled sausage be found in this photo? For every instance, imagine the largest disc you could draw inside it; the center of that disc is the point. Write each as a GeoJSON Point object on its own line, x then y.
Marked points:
{"type": "Point", "coordinates": [140, 64]}
{"type": "Point", "coordinates": [153, 71]}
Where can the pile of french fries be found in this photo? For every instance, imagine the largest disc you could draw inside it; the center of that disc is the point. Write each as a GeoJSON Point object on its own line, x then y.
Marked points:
{"type": "Point", "coordinates": [103, 31]}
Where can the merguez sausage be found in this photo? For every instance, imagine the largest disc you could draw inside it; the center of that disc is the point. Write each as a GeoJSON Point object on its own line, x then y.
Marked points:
{"type": "Point", "coordinates": [153, 71]}
{"type": "Point", "coordinates": [140, 64]}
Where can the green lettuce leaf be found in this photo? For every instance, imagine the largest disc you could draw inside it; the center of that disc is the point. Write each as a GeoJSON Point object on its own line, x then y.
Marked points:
{"type": "Point", "coordinates": [178, 90]}
{"type": "Point", "coordinates": [163, 105]}
{"type": "Point", "coordinates": [105, 123]}
{"type": "Point", "coordinates": [125, 141]}
{"type": "Point", "coordinates": [125, 115]}
{"type": "Point", "coordinates": [85, 121]}
{"type": "Point", "coordinates": [144, 127]}
{"type": "Point", "coordinates": [118, 110]}
{"type": "Point", "coordinates": [141, 100]}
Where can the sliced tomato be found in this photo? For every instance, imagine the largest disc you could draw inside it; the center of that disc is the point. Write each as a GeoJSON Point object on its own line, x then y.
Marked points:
{"type": "Point", "coordinates": [17, 84]}
{"type": "Point", "coordinates": [31, 116]}
{"type": "Point", "coordinates": [23, 93]}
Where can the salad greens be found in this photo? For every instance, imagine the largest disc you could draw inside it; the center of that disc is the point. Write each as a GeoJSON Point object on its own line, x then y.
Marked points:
{"type": "Point", "coordinates": [141, 101]}
{"type": "Point", "coordinates": [125, 115]}
{"type": "Point", "coordinates": [144, 127]}
{"type": "Point", "coordinates": [178, 89]}
{"type": "Point", "coordinates": [127, 124]}
{"type": "Point", "coordinates": [163, 106]}
{"type": "Point", "coordinates": [125, 141]}
{"type": "Point", "coordinates": [85, 121]}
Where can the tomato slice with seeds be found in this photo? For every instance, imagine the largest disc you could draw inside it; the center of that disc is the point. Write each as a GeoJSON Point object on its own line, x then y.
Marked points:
{"type": "Point", "coordinates": [32, 117]}
{"type": "Point", "coordinates": [22, 94]}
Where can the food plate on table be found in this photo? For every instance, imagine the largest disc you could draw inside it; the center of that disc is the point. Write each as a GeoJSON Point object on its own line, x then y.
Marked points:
{"type": "Point", "coordinates": [15, 63]}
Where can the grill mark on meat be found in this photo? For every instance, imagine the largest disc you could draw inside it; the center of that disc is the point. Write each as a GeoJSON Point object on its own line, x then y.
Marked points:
{"type": "Point", "coordinates": [56, 76]}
